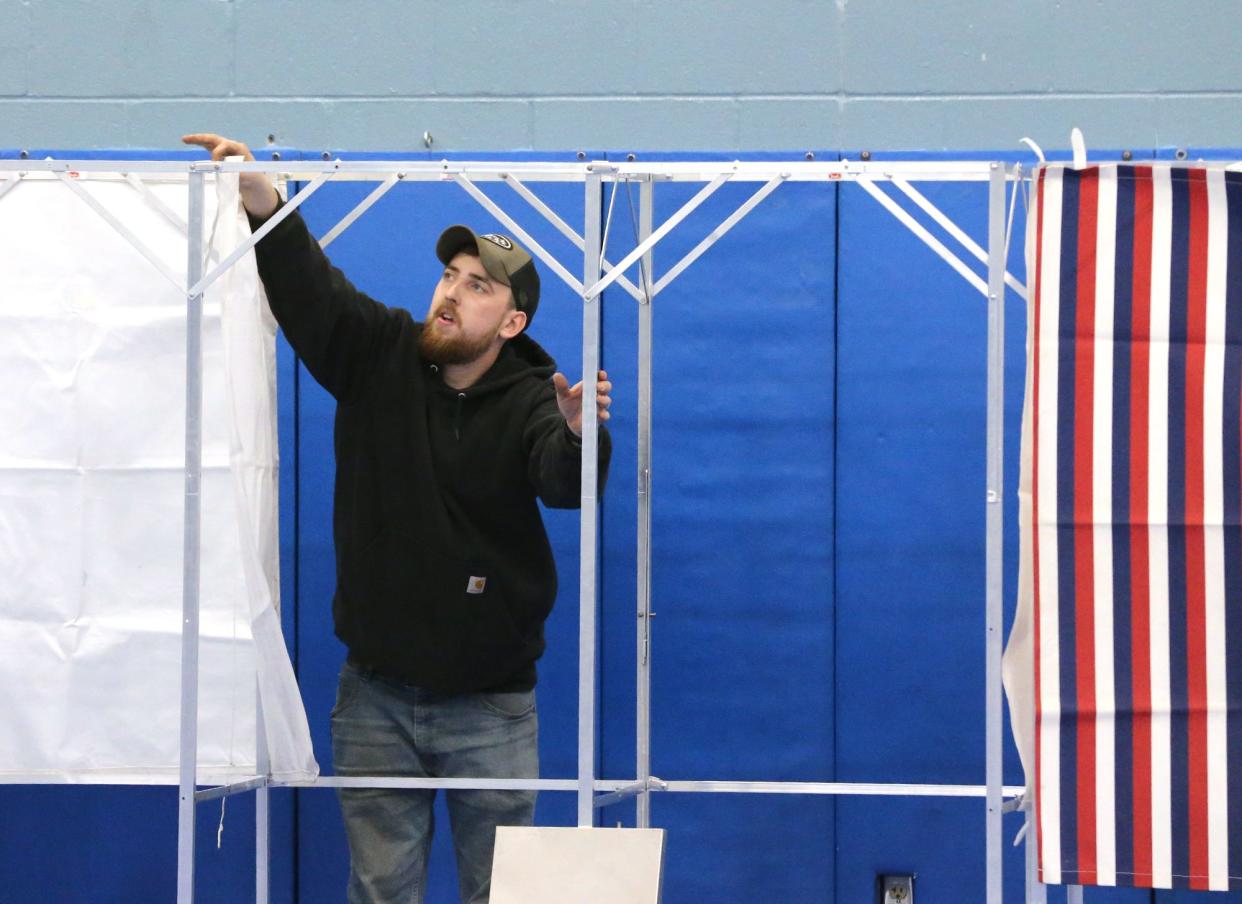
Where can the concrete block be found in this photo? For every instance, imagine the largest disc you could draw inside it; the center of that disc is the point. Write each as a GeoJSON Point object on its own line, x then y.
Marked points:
{"type": "Point", "coordinates": [1116, 47]}
{"type": "Point", "coordinates": [1009, 46]}
{"type": "Point", "coordinates": [934, 48]}
{"type": "Point", "coordinates": [325, 48]}
{"type": "Point", "coordinates": [161, 123]}
{"type": "Point", "coordinates": [796, 124]}
{"type": "Point", "coordinates": [481, 124]}
{"type": "Point", "coordinates": [38, 124]}
{"type": "Point", "coordinates": [719, 49]}
{"type": "Point", "coordinates": [14, 41]}
{"type": "Point", "coordinates": [331, 124]}
{"type": "Point", "coordinates": [130, 48]}
{"type": "Point", "coordinates": [635, 124]}
{"type": "Point", "coordinates": [992, 123]}
{"type": "Point", "coordinates": [503, 48]}
{"type": "Point", "coordinates": [1213, 122]}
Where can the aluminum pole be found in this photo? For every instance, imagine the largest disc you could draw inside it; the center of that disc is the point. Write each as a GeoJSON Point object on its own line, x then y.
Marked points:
{"type": "Point", "coordinates": [1036, 891]}
{"type": "Point", "coordinates": [190, 555]}
{"type": "Point", "coordinates": [262, 807]}
{"type": "Point", "coordinates": [995, 524]}
{"type": "Point", "coordinates": [646, 193]}
{"type": "Point", "coordinates": [590, 483]}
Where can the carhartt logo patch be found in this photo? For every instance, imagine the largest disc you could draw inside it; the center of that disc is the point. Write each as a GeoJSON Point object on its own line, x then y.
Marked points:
{"type": "Point", "coordinates": [498, 240]}
{"type": "Point", "coordinates": [476, 585]}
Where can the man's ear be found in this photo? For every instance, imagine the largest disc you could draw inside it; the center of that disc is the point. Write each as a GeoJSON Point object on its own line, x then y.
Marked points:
{"type": "Point", "coordinates": [514, 323]}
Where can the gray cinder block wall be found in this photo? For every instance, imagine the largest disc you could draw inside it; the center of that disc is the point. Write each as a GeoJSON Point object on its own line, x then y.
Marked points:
{"type": "Point", "coordinates": [635, 74]}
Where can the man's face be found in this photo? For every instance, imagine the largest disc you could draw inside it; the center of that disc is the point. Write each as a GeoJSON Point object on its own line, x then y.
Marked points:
{"type": "Point", "coordinates": [470, 313]}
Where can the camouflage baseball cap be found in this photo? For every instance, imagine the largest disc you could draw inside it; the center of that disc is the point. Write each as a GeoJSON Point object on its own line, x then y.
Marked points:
{"type": "Point", "coordinates": [504, 259]}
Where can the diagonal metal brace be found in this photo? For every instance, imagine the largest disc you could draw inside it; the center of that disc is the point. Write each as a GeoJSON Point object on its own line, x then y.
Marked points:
{"type": "Point", "coordinates": [124, 231]}
{"type": "Point", "coordinates": [628, 261]}
{"type": "Point", "coordinates": [928, 239]}
{"type": "Point", "coordinates": [363, 206]}
{"type": "Point", "coordinates": [956, 231]}
{"type": "Point", "coordinates": [716, 234]}
{"type": "Point", "coordinates": [9, 184]}
{"type": "Point", "coordinates": [565, 229]}
{"type": "Point", "coordinates": [511, 224]}
{"type": "Point", "coordinates": [164, 210]}
{"type": "Point", "coordinates": [272, 222]}
{"type": "Point", "coordinates": [153, 199]}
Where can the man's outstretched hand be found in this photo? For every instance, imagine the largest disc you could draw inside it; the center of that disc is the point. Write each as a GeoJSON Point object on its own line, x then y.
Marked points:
{"type": "Point", "coordinates": [569, 399]}
{"type": "Point", "coordinates": [257, 192]}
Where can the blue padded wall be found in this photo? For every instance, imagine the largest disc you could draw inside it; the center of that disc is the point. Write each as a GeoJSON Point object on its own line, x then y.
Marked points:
{"type": "Point", "coordinates": [742, 500]}
{"type": "Point", "coordinates": [911, 389]}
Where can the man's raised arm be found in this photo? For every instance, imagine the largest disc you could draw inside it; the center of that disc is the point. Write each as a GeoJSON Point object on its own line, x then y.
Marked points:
{"type": "Point", "coordinates": [337, 330]}
{"type": "Point", "coordinates": [257, 192]}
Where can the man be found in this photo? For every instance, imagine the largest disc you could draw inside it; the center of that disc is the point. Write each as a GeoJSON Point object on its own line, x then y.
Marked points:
{"type": "Point", "coordinates": [446, 432]}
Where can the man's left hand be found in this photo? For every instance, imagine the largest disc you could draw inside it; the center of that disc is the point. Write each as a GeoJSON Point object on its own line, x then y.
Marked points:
{"type": "Point", "coordinates": [569, 399]}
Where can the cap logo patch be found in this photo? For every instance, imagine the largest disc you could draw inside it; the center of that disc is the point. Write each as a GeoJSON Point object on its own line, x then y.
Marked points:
{"type": "Point", "coordinates": [498, 240]}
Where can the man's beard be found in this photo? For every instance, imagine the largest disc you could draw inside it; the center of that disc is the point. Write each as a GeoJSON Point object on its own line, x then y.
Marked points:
{"type": "Point", "coordinates": [455, 348]}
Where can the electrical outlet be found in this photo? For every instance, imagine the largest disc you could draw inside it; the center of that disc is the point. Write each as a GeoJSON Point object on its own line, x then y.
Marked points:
{"type": "Point", "coordinates": [894, 889]}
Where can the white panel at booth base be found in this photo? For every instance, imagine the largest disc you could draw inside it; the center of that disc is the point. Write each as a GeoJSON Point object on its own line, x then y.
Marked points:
{"type": "Point", "coordinates": [577, 866]}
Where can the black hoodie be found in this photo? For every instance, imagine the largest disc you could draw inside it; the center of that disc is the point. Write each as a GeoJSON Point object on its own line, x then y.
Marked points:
{"type": "Point", "coordinates": [444, 571]}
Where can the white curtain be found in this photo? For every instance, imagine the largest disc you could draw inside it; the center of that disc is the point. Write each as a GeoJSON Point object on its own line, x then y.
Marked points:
{"type": "Point", "coordinates": [92, 455]}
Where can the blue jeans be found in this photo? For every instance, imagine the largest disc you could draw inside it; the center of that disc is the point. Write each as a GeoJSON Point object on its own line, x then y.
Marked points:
{"type": "Point", "coordinates": [384, 728]}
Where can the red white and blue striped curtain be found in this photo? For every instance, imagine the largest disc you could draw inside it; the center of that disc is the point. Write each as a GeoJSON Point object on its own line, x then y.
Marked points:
{"type": "Point", "coordinates": [1124, 668]}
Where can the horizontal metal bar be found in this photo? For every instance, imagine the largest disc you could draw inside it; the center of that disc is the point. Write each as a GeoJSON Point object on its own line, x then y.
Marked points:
{"type": "Point", "coordinates": [565, 229]}
{"type": "Point", "coordinates": [227, 790]}
{"type": "Point", "coordinates": [927, 238]}
{"type": "Point", "coordinates": [272, 222]}
{"type": "Point", "coordinates": [716, 234]}
{"type": "Point", "coordinates": [838, 788]}
{"type": "Point", "coordinates": [51, 165]}
{"type": "Point", "coordinates": [124, 231]}
{"type": "Point", "coordinates": [807, 171]}
{"type": "Point", "coordinates": [956, 231]}
{"type": "Point", "coordinates": [424, 171]}
{"type": "Point", "coordinates": [363, 206]}
{"type": "Point", "coordinates": [689, 171]}
{"type": "Point", "coordinates": [523, 236]}
{"type": "Point", "coordinates": [634, 787]}
{"type": "Point", "coordinates": [112, 174]}
{"type": "Point", "coordinates": [478, 784]}
{"type": "Point", "coordinates": [652, 240]}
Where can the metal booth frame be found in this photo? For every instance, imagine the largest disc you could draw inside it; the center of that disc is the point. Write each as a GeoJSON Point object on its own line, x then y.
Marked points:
{"type": "Point", "coordinates": [597, 274]}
